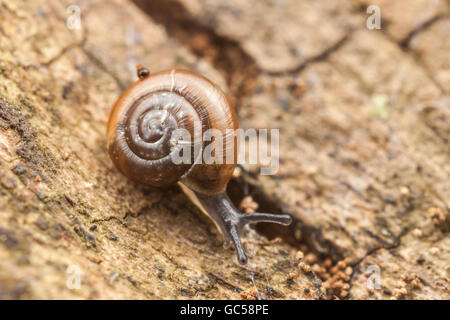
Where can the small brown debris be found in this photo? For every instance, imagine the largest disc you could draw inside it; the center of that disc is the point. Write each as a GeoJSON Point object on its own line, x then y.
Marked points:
{"type": "Point", "coordinates": [310, 258]}
{"type": "Point", "coordinates": [334, 270]}
{"type": "Point", "coordinates": [404, 191]}
{"type": "Point", "coordinates": [237, 172]}
{"type": "Point", "coordinates": [349, 271]}
{"type": "Point", "coordinates": [65, 156]}
{"type": "Point", "coordinates": [416, 283]}
{"type": "Point", "coordinates": [436, 216]}
{"type": "Point", "coordinates": [341, 264]}
{"type": "Point", "coordinates": [434, 251]}
{"type": "Point", "coordinates": [417, 233]}
{"type": "Point", "coordinates": [316, 268]}
{"type": "Point", "coordinates": [337, 277]}
{"type": "Point", "coordinates": [338, 284]}
{"type": "Point", "coordinates": [249, 294]}
{"type": "Point", "coordinates": [248, 205]}
{"type": "Point", "coordinates": [413, 280]}
{"type": "Point", "coordinates": [276, 240]}
{"type": "Point", "coordinates": [344, 276]}
{"type": "Point", "coordinates": [410, 280]}
{"type": "Point", "coordinates": [399, 293]}
{"type": "Point", "coordinates": [299, 255]}
{"type": "Point", "coordinates": [305, 267]}
{"type": "Point", "coordinates": [395, 268]}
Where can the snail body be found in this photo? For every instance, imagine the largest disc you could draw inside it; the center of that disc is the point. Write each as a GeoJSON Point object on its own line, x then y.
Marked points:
{"type": "Point", "coordinates": [140, 141]}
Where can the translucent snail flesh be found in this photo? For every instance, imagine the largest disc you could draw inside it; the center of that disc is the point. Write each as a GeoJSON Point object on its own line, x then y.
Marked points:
{"type": "Point", "coordinates": [140, 143]}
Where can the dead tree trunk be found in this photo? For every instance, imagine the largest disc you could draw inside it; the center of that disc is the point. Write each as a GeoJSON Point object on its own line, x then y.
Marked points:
{"type": "Point", "coordinates": [364, 150]}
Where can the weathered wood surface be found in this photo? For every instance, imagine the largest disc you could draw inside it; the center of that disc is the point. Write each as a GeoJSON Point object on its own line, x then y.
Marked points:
{"type": "Point", "coordinates": [364, 144]}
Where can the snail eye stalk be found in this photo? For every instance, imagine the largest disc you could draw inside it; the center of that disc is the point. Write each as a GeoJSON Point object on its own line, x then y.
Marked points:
{"type": "Point", "coordinates": [231, 221]}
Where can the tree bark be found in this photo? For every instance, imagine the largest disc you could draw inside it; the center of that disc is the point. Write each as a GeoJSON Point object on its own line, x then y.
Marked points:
{"type": "Point", "coordinates": [364, 151]}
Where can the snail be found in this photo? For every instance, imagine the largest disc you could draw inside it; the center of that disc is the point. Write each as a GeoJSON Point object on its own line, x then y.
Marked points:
{"type": "Point", "coordinates": [141, 144]}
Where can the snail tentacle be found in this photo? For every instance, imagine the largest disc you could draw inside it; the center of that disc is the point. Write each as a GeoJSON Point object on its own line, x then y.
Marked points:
{"type": "Point", "coordinates": [257, 217]}
{"type": "Point", "coordinates": [231, 221]}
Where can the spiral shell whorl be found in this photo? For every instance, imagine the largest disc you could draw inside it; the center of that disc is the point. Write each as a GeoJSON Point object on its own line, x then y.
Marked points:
{"type": "Point", "coordinates": [150, 123]}
{"type": "Point", "coordinates": [143, 119]}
